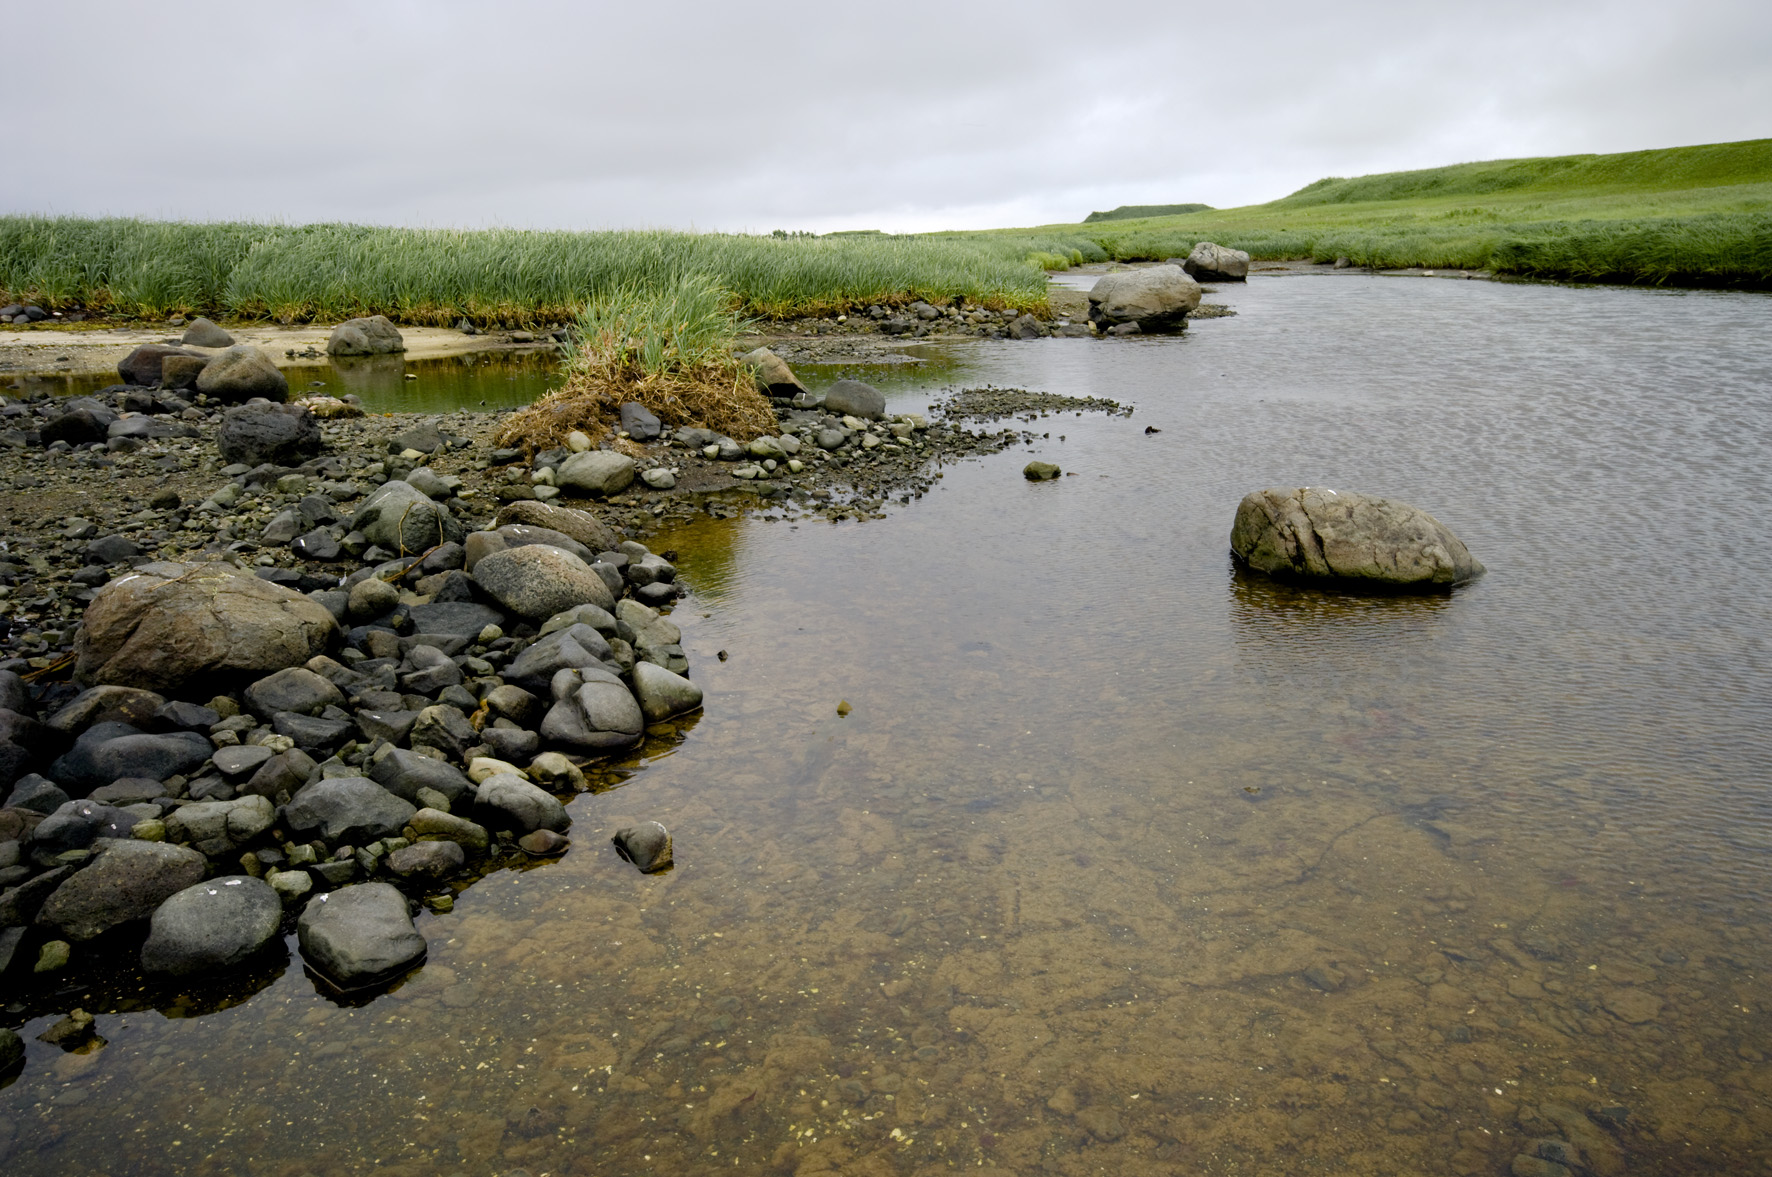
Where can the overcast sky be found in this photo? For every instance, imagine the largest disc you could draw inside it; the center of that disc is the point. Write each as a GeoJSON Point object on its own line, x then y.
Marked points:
{"type": "Point", "coordinates": [898, 116]}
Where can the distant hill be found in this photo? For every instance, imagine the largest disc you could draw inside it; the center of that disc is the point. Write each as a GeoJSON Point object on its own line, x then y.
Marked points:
{"type": "Point", "coordinates": [1711, 165]}
{"type": "Point", "coordinates": [1128, 212]}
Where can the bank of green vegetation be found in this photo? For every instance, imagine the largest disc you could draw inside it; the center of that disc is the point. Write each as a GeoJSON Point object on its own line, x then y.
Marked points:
{"type": "Point", "coordinates": [1680, 216]}
{"type": "Point", "coordinates": [152, 269]}
{"type": "Point", "coordinates": [1697, 216]}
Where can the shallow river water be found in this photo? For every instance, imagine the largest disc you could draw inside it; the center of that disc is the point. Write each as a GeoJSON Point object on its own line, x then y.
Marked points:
{"type": "Point", "coordinates": [1124, 862]}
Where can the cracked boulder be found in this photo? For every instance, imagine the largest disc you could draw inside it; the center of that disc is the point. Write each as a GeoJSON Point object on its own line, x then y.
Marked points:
{"type": "Point", "coordinates": [1316, 535]}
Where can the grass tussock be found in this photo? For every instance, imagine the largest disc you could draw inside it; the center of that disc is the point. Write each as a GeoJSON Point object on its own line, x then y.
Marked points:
{"type": "Point", "coordinates": [668, 347]}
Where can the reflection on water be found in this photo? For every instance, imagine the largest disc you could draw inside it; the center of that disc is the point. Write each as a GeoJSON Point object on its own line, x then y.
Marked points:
{"type": "Point", "coordinates": [1125, 862]}
{"type": "Point", "coordinates": [480, 381]}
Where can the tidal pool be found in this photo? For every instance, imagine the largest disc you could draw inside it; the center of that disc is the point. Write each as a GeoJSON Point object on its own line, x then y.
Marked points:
{"type": "Point", "coordinates": [477, 381]}
{"type": "Point", "coordinates": [1124, 862]}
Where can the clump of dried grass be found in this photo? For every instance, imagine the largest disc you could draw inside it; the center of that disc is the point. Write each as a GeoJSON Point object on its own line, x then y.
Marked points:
{"type": "Point", "coordinates": [668, 347]}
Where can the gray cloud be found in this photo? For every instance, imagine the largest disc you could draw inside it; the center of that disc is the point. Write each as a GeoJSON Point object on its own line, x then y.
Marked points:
{"type": "Point", "coordinates": [779, 115]}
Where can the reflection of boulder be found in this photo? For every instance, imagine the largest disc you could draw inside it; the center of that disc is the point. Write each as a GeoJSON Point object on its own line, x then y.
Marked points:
{"type": "Point", "coordinates": [369, 375]}
{"type": "Point", "coordinates": [1343, 537]}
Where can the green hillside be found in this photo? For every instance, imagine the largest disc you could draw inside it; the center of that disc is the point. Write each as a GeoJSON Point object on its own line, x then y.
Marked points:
{"type": "Point", "coordinates": [1128, 212]}
{"type": "Point", "coordinates": [1679, 216]}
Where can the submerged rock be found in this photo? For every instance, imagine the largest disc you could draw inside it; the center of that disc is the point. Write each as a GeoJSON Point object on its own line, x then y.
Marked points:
{"type": "Point", "coordinates": [1320, 535]}
{"type": "Point", "coordinates": [647, 846]}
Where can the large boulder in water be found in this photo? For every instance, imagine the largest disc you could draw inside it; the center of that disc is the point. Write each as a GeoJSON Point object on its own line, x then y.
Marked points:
{"type": "Point", "coordinates": [373, 336]}
{"type": "Point", "coordinates": [359, 935]}
{"type": "Point", "coordinates": [166, 624]}
{"type": "Point", "coordinates": [1317, 535]}
{"type": "Point", "coordinates": [1156, 298]}
{"type": "Point", "coordinates": [241, 373]}
{"type": "Point", "coordinates": [284, 435]}
{"type": "Point", "coordinates": [1215, 263]}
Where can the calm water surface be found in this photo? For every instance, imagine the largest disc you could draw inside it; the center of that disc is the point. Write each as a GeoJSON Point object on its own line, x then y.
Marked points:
{"type": "Point", "coordinates": [482, 380]}
{"type": "Point", "coordinates": [1124, 862]}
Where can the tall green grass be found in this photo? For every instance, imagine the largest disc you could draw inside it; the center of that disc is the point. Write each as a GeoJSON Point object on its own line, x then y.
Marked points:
{"type": "Point", "coordinates": [152, 269]}
{"type": "Point", "coordinates": [684, 324]}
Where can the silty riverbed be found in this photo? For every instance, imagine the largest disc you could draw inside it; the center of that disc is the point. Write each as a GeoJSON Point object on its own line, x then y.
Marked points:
{"type": "Point", "coordinates": [1123, 861]}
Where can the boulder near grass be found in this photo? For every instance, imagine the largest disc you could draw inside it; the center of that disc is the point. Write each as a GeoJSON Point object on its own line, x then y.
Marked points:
{"type": "Point", "coordinates": [1316, 535]}
{"type": "Point", "coordinates": [667, 347]}
{"type": "Point", "coordinates": [1216, 263]}
{"type": "Point", "coordinates": [1157, 298]}
{"type": "Point", "coordinates": [373, 336]}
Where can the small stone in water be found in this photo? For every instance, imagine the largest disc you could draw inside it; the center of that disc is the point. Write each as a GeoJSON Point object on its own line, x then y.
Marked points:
{"type": "Point", "coordinates": [843, 707]}
{"type": "Point", "coordinates": [544, 843]}
{"type": "Point", "coordinates": [647, 846]}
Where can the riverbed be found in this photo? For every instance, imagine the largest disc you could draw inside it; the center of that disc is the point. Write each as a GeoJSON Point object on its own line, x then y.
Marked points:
{"type": "Point", "coordinates": [1121, 860]}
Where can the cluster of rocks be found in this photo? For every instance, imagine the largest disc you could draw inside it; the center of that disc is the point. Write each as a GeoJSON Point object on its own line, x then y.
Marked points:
{"type": "Point", "coordinates": [21, 314]}
{"type": "Point", "coordinates": [398, 726]}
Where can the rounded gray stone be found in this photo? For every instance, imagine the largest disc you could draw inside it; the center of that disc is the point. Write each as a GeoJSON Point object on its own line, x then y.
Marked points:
{"type": "Point", "coordinates": [359, 935]}
{"type": "Point", "coordinates": [212, 925]}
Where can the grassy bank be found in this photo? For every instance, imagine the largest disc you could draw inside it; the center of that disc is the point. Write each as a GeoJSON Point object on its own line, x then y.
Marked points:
{"type": "Point", "coordinates": [1686, 216]}
{"type": "Point", "coordinates": [432, 276]}
{"type": "Point", "coordinates": [1683, 216]}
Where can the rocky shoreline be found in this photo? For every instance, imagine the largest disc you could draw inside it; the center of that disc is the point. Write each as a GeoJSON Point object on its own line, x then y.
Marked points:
{"type": "Point", "coordinates": [274, 667]}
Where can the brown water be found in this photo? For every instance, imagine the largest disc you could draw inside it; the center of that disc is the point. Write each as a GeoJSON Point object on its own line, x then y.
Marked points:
{"type": "Point", "coordinates": [1123, 862]}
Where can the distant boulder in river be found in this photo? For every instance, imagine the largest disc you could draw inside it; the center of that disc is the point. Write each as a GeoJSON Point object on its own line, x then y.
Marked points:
{"type": "Point", "coordinates": [1215, 263]}
{"type": "Point", "coordinates": [1342, 537]}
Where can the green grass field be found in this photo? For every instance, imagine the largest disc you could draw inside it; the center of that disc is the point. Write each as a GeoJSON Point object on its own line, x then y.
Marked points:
{"type": "Point", "coordinates": [1697, 216]}
{"type": "Point", "coordinates": [152, 269]}
{"type": "Point", "coordinates": [1681, 216]}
